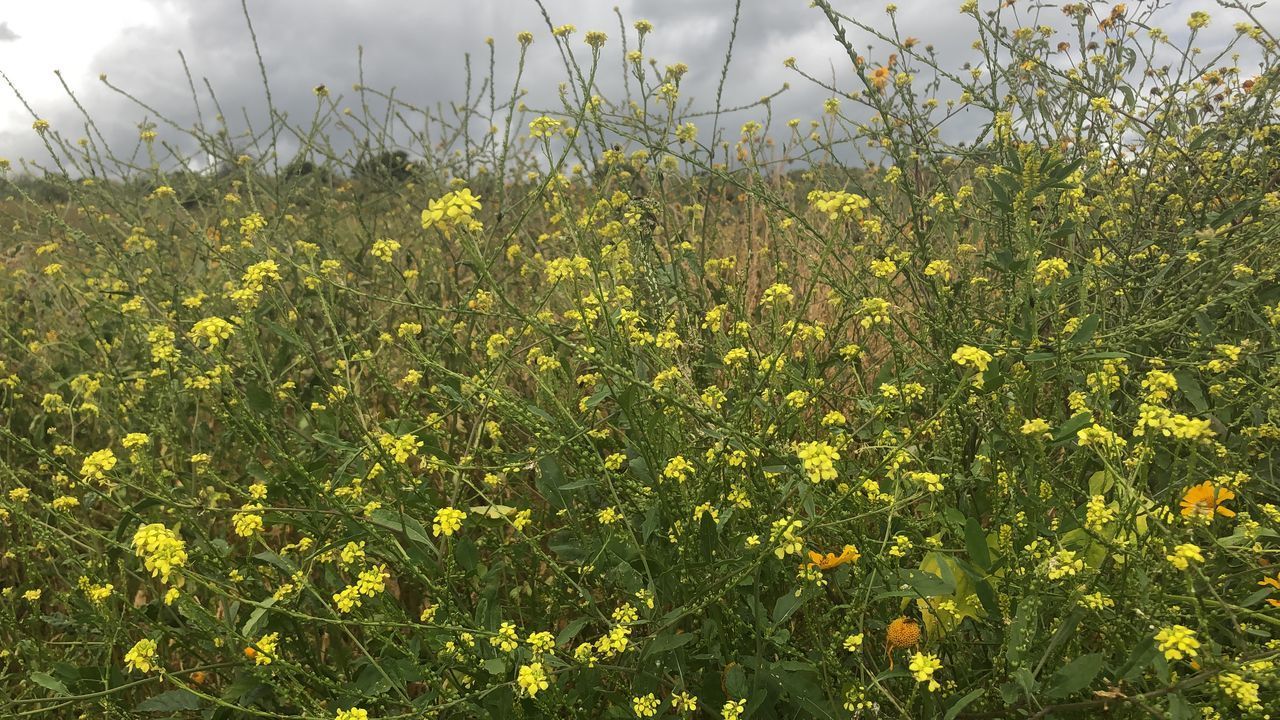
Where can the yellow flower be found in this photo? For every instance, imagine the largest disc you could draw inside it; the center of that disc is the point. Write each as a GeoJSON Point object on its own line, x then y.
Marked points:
{"type": "Point", "coordinates": [142, 656]}
{"type": "Point", "coordinates": [1177, 642]}
{"type": "Point", "coordinates": [448, 520]}
{"type": "Point", "coordinates": [968, 355]}
{"type": "Point", "coordinates": [1183, 555]}
{"type": "Point", "coordinates": [923, 667]}
{"type": "Point", "coordinates": [161, 550]}
{"type": "Point", "coordinates": [353, 713]}
{"type": "Point", "coordinates": [853, 643]}
{"type": "Point", "coordinates": [265, 649]}
{"type": "Point", "coordinates": [532, 679]}
{"type": "Point", "coordinates": [645, 705]}
{"type": "Point", "coordinates": [818, 459]}
{"type": "Point", "coordinates": [211, 330]}
{"type": "Point", "coordinates": [97, 464]}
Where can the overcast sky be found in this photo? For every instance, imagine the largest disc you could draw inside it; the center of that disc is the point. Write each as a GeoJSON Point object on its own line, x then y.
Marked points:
{"type": "Point", "coordinates": [417, 47]}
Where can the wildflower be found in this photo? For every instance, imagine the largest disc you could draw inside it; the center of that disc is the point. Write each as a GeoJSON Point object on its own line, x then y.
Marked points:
{"type": "Point", "coordinates": [677, 469]}
{"type": "Point", "coordinates": [506, 639]}
{"type": "Point", "coordinates": [1245, 693]}
{"type": "Point", "coordinates": [923, 667]}
{"type": "Point", "coordinates": [1183, 555]}
{"type": "Point", "coordinates": [853, 643]}
{"type": "Point", "coordinates": [135, 440]}
{"type": "Point", "coordinates": [831, 560]}
{"type": "Point", "coordinates": [1063, 564]}
{"type": "Point", "coordinates": [447, 521]}
{"type": "Point", "coordinates": [142, 656]}
{"type": "Point", "coordinates": [645, 705]}
{"type": "Point", "coordinates": [595, 39]}
{"type": "Point", "coordinates": [684, 702]}
{"type": "Point", "coordinates": [932, 482]}
{"type": "Point", "coordinates": [247, 522]}
{"type": "Point", "coordinates": [353, 713]}
{"type": "Point", "coordinates": [1050, 271]}
{"type": "Point", "coordinates": [1177, 642]}
{"type": "Point", "coordinates": [98, 463]}
{"type": "Point", "coordinates": [265, 649]}
{"type": "Point", "coordinates": [732, 709]}
{"type": "Point", "coordinates": [1206, 499]}
{"type": "Point", "coordinates": [1198, 20]}
{"type": "Point", "coordinates": [212, 330]}
{"type": "Point", "coordinates": [251, 224]}
{"type": "Point", "coordinates": [532, 679]}
{"type": "Point", "coordinates": [453, 209]}
{"type": "Point", "coordinates": [384, 249]}
{"type": "Point", "coordinates": [1272, 583]}
{"type": "Point", "coordinates": [544, 126]}
{"type": "Point", "coordinates": [784, 535]}
{"type": "Point", "coordinates": [542, 642]}
{"type": "Point", "coordinates": [777, 293]}
{"type": "Point", "coordinates": [161, 550]}
{"type": "Point", "coordinates": [968, 355]}
{"type": "Point", "coordinates": [902, 632]}
{"type": "Point", "coordinates": [818, 459]}
{"type": "Point", "coordinates": [874, 311]}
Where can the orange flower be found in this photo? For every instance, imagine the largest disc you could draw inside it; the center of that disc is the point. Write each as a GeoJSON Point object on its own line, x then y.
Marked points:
{"type": "Point", "coordinates": [880, 77]}
{"type": "Point", "coordinates": [831, 560]}
{"type": "Point", "coordinates": [902, 632]}
{"type": "Point", "coordinates": [1205, 499]}
{"type": "Point", "coordinates": [1272, 582]}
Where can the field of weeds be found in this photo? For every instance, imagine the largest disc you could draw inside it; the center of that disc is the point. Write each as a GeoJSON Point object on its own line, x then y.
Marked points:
{"type": "Point", "coordinates": [597, 414]}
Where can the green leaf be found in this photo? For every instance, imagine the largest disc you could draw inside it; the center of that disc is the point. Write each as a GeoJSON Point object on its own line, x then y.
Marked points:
{"type": "Point", "coordinates": [401, 523]}
{"type": "Point", "coordinates": [1085, 332]}
{"type": "Point", "coordinates": [667, 642]}
{"type": "Point", "coordinates": [46, 680]}
{"type": "Point", "coordinates": [735, 681]}
{"type": "Point", "coordinates": [570, 631]}
{"type": "Point", "coordinates": [975, 543]}
{"type": "Point", "coordinates": [1068, 429]}
{"type": "Point", "coordinates": [786, 605]}
{"type": "Point", "coordinates": [919, 584]}
{"type": "Point", "coordinates": [495, 666]}
{"type": "Point", "coordinates": [962, 703]}
{"type": "Point", "coordinates": [170, 701]}
{"type": "Point", "coordinates": [1075, 675]}
{"type": "Point", "coordinates": [256, 616]}
{"type": "Point", "coordinates": [1191, 389]}
{"type": "Point", "coordinates": [257, 399]}
{"type": "Point", "coordinates": [466, 553]}
{"type": "Point", "coordinates": [1180, 709]}
{"type": "Point", "coordinates": [1141, 656]}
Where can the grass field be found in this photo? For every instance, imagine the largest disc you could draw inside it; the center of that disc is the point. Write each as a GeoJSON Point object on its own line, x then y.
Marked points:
{"type": "Point", "coordinates": [600, 415]}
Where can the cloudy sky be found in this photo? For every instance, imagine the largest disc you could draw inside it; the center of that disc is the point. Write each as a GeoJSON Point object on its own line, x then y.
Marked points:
{"type": "Point", "coordinates": [417, 47]}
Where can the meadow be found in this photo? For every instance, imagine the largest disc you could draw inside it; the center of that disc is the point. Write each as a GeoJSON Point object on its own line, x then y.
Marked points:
{"type": "Point", "coordinates": [611, 410]}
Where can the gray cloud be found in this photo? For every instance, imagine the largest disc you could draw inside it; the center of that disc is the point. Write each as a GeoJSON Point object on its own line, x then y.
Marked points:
{"type": "Point", "coordinates": [418, 50]}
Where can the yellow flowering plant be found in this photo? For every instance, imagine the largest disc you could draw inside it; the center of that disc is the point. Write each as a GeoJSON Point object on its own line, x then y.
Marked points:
{"type": "Point", "coordinates": [955, 397]}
